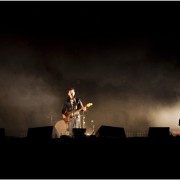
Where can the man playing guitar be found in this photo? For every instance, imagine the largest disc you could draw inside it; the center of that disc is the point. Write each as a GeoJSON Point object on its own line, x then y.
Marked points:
{"type": "Point", "coordinates": [71, 111]}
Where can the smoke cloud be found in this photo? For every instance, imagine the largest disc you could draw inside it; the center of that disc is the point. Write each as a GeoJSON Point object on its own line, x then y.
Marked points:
{"type": "Point", "coordinates": [131, 79]}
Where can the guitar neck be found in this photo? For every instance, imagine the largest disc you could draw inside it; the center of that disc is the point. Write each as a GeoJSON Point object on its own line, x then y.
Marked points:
{"type": "Point", "coordinates": [78, 110]}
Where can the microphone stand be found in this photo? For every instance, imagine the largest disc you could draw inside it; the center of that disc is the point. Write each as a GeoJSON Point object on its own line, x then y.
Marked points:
{"type": "Point", "coordinates": [73, 112]}
{"type": "Point", "coordinates": [83, 125]}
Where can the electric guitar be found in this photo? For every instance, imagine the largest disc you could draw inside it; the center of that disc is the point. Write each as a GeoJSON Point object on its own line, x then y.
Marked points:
{"type": "Point", "coordinates": [70, 116]}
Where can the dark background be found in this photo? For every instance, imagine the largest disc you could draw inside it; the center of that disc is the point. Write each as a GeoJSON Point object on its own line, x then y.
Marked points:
{"type": "Point", "coordinates": [121, 56]}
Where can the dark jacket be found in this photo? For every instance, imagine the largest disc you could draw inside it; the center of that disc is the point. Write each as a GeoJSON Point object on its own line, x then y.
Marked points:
{"type": "Point", "coordinates": [68, 107]}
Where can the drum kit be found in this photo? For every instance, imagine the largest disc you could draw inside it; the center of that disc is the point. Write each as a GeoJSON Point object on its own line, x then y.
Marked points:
{"type": "Point", "coordinates": [61, 127]}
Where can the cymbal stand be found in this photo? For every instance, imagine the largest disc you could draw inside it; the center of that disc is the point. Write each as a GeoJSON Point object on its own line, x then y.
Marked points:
{"type": "Point", "coordinates": [83, 121]}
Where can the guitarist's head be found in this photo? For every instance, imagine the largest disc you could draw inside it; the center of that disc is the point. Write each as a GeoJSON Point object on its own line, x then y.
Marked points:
{"type": "Point", "coordinates": [71, 93]}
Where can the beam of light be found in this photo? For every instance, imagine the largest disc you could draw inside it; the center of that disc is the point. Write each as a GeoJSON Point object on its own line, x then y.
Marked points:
{"type": "Point", "coordinates": [166, 117]}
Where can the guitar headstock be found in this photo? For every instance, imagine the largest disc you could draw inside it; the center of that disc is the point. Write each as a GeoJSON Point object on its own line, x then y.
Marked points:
{"type": "Point", "coordinates": [89, 104]}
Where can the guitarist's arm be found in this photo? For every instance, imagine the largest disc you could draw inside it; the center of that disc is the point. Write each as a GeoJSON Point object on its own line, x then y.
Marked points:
{"type": "Point", "coordinates": [64, 112]}
{"type": "Point", "coordinates": [65, 117]}
{"type": "Point", "coordinates": [81, 107]}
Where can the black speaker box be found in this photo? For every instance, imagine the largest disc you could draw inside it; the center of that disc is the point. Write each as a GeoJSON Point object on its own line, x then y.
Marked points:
{"type": "Point", "coordinates": [40, 132]}
{"type": "Point", "coordinates": [79, 132]}
{"type": "Point", "coordinates": [159, 132]}
{"type": "Point", "coordinates": [111, 132]}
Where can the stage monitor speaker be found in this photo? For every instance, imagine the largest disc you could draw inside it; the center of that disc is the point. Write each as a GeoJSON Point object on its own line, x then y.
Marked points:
{"type": "Point", "coordinates": [2, 133]}
{"type": "Point", "coordinates": [79, 132]}
{"type": "Point", "coordinates": [159, 132]}
{"type": "Point", "coordinates": [40, 132]}
{"type": "Point", "coordinates": [111, 132]}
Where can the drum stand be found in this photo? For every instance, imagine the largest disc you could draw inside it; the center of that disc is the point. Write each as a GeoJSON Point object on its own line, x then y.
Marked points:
{"type": "Point", "coordinates": [67, 130]}
{"type": "Point", "coordinates": [51, 116]}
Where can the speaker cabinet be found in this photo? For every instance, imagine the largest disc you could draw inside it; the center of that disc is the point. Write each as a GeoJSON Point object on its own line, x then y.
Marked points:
{"type": "Point", "coordinates": [159, 132]}
{"type": "Point", "coordinates": [111, 132]}
{"type": "Point", "coordinates": [79, 132]}
{"type": "Point", "coordinates": [40, 132]}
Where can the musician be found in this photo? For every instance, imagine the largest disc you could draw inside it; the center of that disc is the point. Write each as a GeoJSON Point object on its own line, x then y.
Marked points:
{"type": "Point", "coordinates": [71, 110]}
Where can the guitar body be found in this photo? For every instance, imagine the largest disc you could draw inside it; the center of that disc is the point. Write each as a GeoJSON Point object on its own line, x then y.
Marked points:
{"type": "Point", "coordinates": [62, 126]}
{"type": "Point", "coordinates": [74, 115]}
{"type": "Point", "coordinates": [70, 116]}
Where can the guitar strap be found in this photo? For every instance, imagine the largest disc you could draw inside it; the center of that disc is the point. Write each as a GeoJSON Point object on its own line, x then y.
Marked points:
{"type": "Point", "coordinates": [76, 101]}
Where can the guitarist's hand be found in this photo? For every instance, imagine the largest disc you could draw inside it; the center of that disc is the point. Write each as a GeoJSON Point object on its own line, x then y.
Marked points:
{"type": "Point", "coordinates": [66, 119]}
{"type": "Point", "coordinates": [84, 108]}
{"type": "Point", "coordinates": [63, 116]}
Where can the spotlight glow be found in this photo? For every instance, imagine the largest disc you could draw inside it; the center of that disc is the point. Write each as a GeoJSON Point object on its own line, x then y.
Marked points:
{"type": "Point", "coordinates": [167, 117]}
